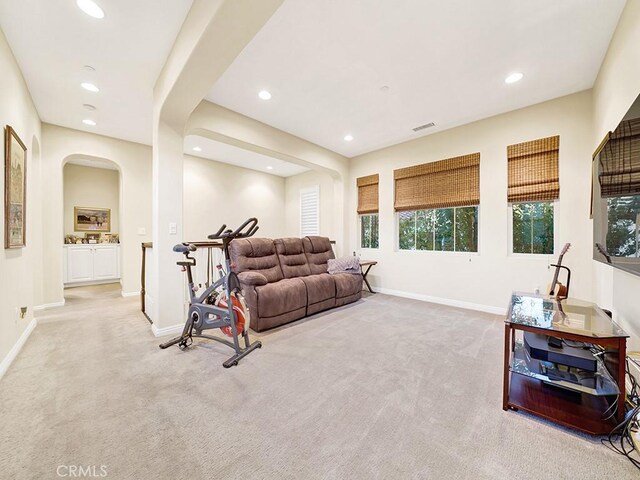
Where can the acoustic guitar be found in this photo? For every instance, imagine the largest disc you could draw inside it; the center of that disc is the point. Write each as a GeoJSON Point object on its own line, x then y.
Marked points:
{"type": "Point", "coordinates": [557, 289]}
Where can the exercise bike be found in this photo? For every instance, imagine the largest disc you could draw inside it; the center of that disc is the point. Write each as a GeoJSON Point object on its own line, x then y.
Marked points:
{"type": "Point", "coordinates": [221, 305]}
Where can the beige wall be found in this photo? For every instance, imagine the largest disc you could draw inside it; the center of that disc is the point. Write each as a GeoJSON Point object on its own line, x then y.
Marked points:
{"type": "Point", "coordinates": [328, 205]}
{"type": "Point", "coordinates": [486, 279]}
{"type": "Point", "coordinates": [217, 193]}
{"type": "Point", "coordinates": [90, 187]}
{"type": "Point", "coordinates": [616, 88]}
{"type": "Point", "coordinates": [18, 284]}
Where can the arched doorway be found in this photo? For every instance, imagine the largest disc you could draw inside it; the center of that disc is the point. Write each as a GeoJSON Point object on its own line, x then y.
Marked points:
{"type": "Point", "coordinates": [91, 226]}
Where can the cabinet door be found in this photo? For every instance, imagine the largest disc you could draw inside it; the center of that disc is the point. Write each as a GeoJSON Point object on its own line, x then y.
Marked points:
{"type": "Point", "coordinates": [105, 262]}
{"type": "Point", "coordinates": [79, 264]}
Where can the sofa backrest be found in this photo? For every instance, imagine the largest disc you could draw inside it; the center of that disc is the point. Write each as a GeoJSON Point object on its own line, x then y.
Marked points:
{"type": "Point", "coordinates": [318, 250]}
{"type": "Point", "coordinates": [293, 260]}
{"type": "Point", "coordinates": [256, 255]}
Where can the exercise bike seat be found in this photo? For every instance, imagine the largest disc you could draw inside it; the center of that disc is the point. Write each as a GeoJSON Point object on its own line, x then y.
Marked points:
{"type": "Point", "coordinates": [184, 248]}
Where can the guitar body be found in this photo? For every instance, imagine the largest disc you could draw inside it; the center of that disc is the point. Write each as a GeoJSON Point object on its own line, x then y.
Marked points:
{"type": "Point", "coordinates": [557, 289]}
{"type": "Point", "coordinates": [560, 291]}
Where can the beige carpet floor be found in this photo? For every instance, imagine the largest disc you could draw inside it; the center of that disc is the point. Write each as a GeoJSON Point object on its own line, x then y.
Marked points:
{"type": "Point", "coordinates": [385, 388]}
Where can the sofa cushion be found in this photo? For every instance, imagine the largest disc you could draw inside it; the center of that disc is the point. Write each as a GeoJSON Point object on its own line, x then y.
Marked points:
{"type": "Point", "coordinates": [281, 297]}
{"type": "Point", "coordinates": [318, 250]}
{"type": "Point", "coordinates": [347, 284]}
{"type": "Point", "coordinates": [255, 254]}
{"type": "Point", "coordinates": [319, 288]}
{"type": "Point", "coordinates": [293, 261]}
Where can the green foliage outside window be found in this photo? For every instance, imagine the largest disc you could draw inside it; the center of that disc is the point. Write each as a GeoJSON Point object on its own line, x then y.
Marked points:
{"type": "Point", "coordinates": [369, 231]}
{"type": "Point", "coordinates": [533, 228]}
{"type": "Point", "coordinates": [623, 226]}
{"type": "Point", "coordinates": [442, 229]}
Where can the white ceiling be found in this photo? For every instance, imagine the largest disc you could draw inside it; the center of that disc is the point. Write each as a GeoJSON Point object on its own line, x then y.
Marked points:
{"type": "Point", "coordinates": [222, 152]}
{"type": "Point", "coordinates": [443, 61]}
{"type": "Point", "coordinates": [53, 39]}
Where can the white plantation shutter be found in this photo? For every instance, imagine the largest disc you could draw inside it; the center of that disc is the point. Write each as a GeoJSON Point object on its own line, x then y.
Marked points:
{"type": "Point", "coordinates": [310, 211]}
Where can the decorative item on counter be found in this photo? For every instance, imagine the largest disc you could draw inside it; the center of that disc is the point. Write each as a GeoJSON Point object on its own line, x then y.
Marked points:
{"type": "Point", "coordinates": [92, 237]}
{"type": "Point", "coordinates": [115, 238]}
{"type": "Point", "coordinates": [105, 238]}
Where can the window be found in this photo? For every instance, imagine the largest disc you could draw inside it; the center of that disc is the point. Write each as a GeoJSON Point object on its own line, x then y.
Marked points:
{"type": "Point", "coordinates": [443, 229]}
{"type": "Point", "coordinates": [436, 205]}
{"type": "Point", "coordinates": [534, 184]}
{"type": "Point", "coordinates": [369, 231]}
{"type": "Point", "coordinates": [623, 230]}
{"type": "Point", "coordinates": [532, 227]}
{"type": "Point", "coordinates": [310, 211]}
{"type": "Point", "coordinates": [368, 210]}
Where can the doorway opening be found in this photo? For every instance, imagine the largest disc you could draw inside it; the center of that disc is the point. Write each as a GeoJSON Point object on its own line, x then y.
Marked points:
{"type": "Point", "coordinates": [91, 218]}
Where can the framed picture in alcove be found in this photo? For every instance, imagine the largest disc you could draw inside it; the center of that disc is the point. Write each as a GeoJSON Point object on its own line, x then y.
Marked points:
{"type": "Point", "coordinates": [15, 185]}
{"type": "Point", "coordinates": [90, 219]}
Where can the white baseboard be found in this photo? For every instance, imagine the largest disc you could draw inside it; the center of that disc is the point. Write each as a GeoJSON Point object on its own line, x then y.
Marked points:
{"type": "Point", "coordinates": [172, 330]}
{"type": "Point", "coordinates": [443, 301]}
{"type": "Point", "coordinates": [47, 306]}
{"type": "Point", "coordinates": [130, 294]}
{"type": "Point", "coordinates": [13, 353]}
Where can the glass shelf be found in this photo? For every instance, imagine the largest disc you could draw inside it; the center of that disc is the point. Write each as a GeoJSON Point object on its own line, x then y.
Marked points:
{"type": "Point", "coordinates": [568, 316]}
{"type": "Point", "coordinates": [604, 382]}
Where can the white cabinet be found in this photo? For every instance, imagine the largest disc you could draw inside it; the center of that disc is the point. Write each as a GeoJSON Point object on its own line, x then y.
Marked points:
{"type": "Point", "coordinates": [91, 263]}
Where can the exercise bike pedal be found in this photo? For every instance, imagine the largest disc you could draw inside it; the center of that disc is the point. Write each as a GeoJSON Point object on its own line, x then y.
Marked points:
{"type": "Point", "coordinates": [187, 342]}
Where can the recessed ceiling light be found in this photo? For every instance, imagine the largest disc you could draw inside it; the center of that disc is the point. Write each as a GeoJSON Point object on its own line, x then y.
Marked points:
{"type": "Point", "coordinates": [89, 107]}
{"type": "Point", "coordinates": [90, 86]}
{"type": "Point", "coordinates": [88, 121]}
{"type": "Point", "coordinates": [514, 77]}
{"type": "Point", "coordinates": [264, 95]}
{"type": "Point", "coordinates": [197, 149]}
{"type": "Point", "coordinates": [348, 138]}
{"type": "Point", "coordinates": [91, 8]}
{"type": "Point", "coordinates": [269, 167]}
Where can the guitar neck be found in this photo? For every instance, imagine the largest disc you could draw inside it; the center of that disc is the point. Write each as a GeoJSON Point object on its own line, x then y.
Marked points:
{"type": "Point", "coordinates": [555, 275]}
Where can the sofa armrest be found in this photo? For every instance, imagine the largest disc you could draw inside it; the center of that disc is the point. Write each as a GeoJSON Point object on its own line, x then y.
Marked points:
{"type": "Point", "coordinates": [252, 278]}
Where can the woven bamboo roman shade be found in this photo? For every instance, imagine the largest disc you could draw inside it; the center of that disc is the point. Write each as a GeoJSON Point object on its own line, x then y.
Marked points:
{"type": "Point", "coordinates": [620, 161]}
{"type": "Point", "coordinates": [368, 194]}
{"type": "Point", "coordinates": [533, 170]}
{"type": "Point", "coordinates": [454, 182]}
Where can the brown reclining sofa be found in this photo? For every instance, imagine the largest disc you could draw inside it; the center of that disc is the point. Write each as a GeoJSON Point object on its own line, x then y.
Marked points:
{"type": "Point", "coordinates": [286, 279]}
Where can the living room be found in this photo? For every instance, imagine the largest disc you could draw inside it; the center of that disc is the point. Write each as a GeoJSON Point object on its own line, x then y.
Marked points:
{"type": "Point", "coordinates": [302, 115]}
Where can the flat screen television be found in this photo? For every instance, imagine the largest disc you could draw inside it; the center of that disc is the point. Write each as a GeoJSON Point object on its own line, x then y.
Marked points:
{"type": "Point", "coordinates": [616, 195]}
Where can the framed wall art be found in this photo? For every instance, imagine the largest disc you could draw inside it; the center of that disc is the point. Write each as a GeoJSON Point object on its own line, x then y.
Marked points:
{"type": "Point", "coordinates": [89, 219]}
{"type": "Point", "coordinates": [15, 186]}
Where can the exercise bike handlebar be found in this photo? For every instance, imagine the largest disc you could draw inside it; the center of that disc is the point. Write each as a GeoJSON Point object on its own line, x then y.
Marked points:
{"type": "Point", "coordinates": [247, 229]}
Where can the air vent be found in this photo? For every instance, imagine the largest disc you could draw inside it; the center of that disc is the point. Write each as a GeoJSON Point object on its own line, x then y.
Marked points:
{"type": "Point", "coordinates": [425, 126]}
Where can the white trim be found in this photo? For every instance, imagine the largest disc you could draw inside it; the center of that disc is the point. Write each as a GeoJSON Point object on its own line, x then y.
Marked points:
{"type": "Point", "coordinates": [93, 282]}
{"type": "Point", "coordinates": [444, 301]}
{"type": "Point", "coordinates": [130, 294]}
{"type": "Point", "coordinates": [47, 306]}
{"type": "Point", "coordinates": [13, 353]}
{"type": "Point", "coordinates": [161, 332]}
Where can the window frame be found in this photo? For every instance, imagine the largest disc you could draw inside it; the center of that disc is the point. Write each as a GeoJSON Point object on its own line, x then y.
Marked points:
{"type": "Point", "coordinates": [360, 215]}
{"type": "Point", "coordinates": [511, 253]}
{"type": "Point", "coordinates": [436, 252]}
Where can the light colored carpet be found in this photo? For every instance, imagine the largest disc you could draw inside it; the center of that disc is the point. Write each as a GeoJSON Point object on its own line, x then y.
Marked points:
{"type": "Point", "coordinates": [385, 388]}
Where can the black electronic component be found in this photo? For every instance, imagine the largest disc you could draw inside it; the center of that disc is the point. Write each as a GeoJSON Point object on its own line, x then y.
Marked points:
{"type": "Point", "coordinates": [538, 347]}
